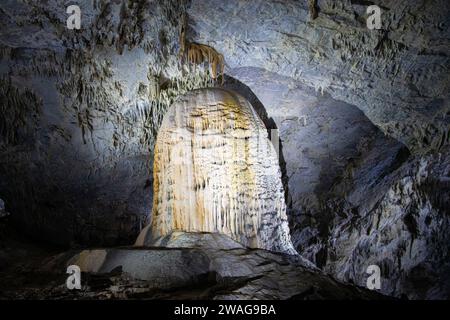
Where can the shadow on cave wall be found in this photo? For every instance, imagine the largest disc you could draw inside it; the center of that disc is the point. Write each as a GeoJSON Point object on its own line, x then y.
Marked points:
{"type": "Point", "coordinates": [238, 87]}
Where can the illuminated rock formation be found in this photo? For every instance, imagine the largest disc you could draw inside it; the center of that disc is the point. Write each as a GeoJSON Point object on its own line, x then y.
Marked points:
{"type": "Point", "coordinates": [216, 171]}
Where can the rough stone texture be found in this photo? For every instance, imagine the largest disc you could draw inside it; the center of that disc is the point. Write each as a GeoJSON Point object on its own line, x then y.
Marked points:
{"type": "Point", "coordinates": [80, 111]}
{"type": "Point", "coordinates": [400, 223]}
{"type": "Point", "coordinates": [79, 114]}
{"type": "Point", "coordinates": [201, 271]}
{"type": "Point", "coordinates": [338, 168]}
{"type": "Point", "coordinates": [215, 170]}
{"type": "Point", "coordinates": [398, 76]}
{"type": "Point", "coordinates": [320, 139]}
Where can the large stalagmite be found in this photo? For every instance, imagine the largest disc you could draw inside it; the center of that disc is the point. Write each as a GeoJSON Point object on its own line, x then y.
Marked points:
{"type": "Point", "coordinates": [216, 171]}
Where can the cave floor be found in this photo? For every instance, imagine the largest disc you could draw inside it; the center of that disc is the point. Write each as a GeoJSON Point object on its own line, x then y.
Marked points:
{"type": "Point", "coordinates": [30, 270]}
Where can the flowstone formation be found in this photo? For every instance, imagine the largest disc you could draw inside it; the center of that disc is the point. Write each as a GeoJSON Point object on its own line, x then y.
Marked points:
{"type": "Point", "coordinates": [215, 170]}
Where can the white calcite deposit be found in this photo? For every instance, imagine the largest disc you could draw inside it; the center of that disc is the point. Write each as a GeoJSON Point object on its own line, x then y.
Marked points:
{"type": "Point", "coordinates": [215, 170]}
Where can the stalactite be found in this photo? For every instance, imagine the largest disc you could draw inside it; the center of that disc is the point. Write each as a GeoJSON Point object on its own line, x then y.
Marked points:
{"type": "Point", "coordinates": [197, 53]}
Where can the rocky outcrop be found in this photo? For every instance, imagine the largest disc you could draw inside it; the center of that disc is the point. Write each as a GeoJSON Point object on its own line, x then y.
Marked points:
{"type": "Point", "coordinates": [387, 213]}
{"type": "Point", "coordinates": [215, 170]}
{"type": "Point", "coordinates": [200, 271]}
{"type": "Point", "coordinates": [181, 266]}
{"type": "Point", "coordinates": [401, 224]}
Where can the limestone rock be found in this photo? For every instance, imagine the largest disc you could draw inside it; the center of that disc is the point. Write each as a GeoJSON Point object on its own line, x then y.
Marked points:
{"type": "Point", "coordinates": [202, 271]}
{"type": "Point", "coordinates": [179, 239]}
{"type": "Point", "coordinates": [79, 117]}
{"type": "Point", "coordinates": [79, 114]}
{"type": "Point", "coordinates": [397, 76]}
{"type": "Point", "coordinates": [215, 170]}
{"type": "Point", "coordinates": [404, 229]}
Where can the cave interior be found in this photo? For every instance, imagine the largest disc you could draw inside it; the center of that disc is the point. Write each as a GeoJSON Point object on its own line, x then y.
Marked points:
{"type": "Point", "coordinates": [210, 149]}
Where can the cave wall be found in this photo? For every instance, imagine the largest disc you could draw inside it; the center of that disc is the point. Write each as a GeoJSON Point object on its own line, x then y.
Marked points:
{"type": "Point", "coordinates": [401, 223]}
{"type": "Point", "coordinates": [398, 76]}
{"type": "Point", "coordinates": [81, 109]}
{"type": "Point", "coordinates": [350, 177]}
{"type": "Point", "coordinates": [355, 196]}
